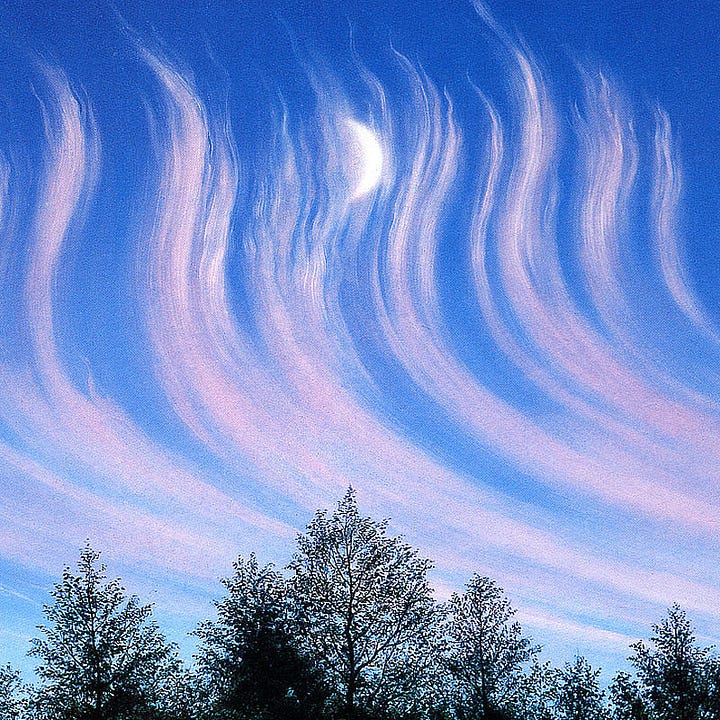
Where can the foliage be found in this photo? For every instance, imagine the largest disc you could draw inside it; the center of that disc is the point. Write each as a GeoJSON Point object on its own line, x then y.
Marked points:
{"type": "Point", "coordinates": [628, 699]}
{"type": "Point", "coordinates": [250, 659]}
{"type": "Point", "coordinates": [101, 656]}
{"type": "Point", "coordinates": [352, 633]}
{"type": "Point", "coordinates": [672, 670]}
{"type": "Point", "coordinates": [537, 691]}
{"type": "Point", "coordinates": [578, 695]}
{"type": "Point", "coordinates": [486, 652]}
{"type": "Point", "coordinates": [11, 689]}
{"type": "Point", "coordinates": [711, 682]}
{"type": "Point", "coordinates": [367, 611]}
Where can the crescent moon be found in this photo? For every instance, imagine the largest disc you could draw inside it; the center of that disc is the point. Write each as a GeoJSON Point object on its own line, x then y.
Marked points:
{"type": "Point", "coordinates": [368, 159]}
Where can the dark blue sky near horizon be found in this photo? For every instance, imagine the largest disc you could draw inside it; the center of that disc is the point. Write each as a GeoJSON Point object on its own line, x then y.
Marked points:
{"type": "Point", "coordinates": [463, 258]}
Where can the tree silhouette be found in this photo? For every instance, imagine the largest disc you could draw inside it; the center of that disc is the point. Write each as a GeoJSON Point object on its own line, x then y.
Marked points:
{"type": "Point", "coordinates": [349, 632]}
{"type": "Point", "coordinates": [367, 611]}
{"type": "Point", "coordinates": [711, 683]}
{"type": "Point", "coordinates": [250, 657]}
{"type": "Point", "coordinates": [536, 696]}
{"type": "Point", "coordinates": [578, 695]}
{"type": "Point", "coordinates": [486, 652]}
{"type": "Point", "coordinates": [11, 702]}
{"type": "Point", "coordinates": [673, 669]}
{"type": "Point", "coordinates": [101, 656]}
{"type": "Point", "coordinates": [628, 699]}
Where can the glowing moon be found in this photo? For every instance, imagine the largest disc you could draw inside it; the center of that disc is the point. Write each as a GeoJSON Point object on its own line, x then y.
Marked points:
{"type": "Point", "coordinates": [367, 160]}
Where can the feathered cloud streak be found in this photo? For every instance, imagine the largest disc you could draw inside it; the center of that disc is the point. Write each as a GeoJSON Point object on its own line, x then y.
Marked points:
{"type": "Point", "coordinates": [43, 408]}
{"type": "Point", "coordinates": [281, 285]}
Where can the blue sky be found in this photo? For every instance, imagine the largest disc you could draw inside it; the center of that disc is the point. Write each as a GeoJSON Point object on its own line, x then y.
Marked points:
{"type": "Point", "coordinates": [461, 257]}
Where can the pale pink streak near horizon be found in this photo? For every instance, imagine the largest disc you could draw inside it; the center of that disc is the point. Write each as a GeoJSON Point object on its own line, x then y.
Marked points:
{"type": "Point", "coordinates": [130, 532]}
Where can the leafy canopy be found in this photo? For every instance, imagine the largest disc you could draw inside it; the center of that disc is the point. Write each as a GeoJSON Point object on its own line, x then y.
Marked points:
{"type": "Point", "coordinates": [101, 654]}
{"type": "Point", "coordinates": [366, 609]}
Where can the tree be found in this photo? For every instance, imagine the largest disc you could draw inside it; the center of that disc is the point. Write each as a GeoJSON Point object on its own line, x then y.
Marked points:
{"type": "Point", "coordinates": [250, 659]}
{"type": "Point", "coordinates": [486, 652]}
{"type": "Point", "coordinates": [673, 669]}
{"type": "Point", "coordinates": [628, 699]}
{"type": "Point", "coordinates": [537, 693]}
{"type": "Point", "coordinates": [11, 702]}
{"type": "Point", "coordinates": [366, 610]}
{"type": "Point", "coordinates": [578, 695]}
{"type": "Point", "coordinates": [102, 656]}
{"type": "Point", "coordinates": [181, 696]}
{"type": "Point", "coordinates": [711, 700]}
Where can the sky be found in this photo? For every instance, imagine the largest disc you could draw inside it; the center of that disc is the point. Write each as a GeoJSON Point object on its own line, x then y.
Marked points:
{"type": "Point", "coordinates": [462, 257]}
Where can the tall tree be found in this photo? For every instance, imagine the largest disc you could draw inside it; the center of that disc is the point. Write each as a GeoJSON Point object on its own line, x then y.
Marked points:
{"type": "Point", "coordinates": [578, 695]}
{"type": "Point", "coordinates": [367, 611]}
{"type": "Point", "coordinates": [250, 658]}
{"type": "Point", "coordinates": [101, 656]}
{"type": "Point", "coordinates": [486, 652]}
{"type": "Point", "coordinates": [673, 669]}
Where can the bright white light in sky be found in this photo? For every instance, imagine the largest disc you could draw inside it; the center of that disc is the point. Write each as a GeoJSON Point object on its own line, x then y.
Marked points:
{"type": "Point", "coordinates": [367, 158]}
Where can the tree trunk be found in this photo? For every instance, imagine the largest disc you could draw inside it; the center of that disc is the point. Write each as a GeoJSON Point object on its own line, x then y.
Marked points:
{"type": "Point", "coordinates": [350, 698]}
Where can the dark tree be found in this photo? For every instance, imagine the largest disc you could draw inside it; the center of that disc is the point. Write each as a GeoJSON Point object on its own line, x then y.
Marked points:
{"type": "Point", "coordinates": [672, 669]}
{"type": "Point", "coordinates": [12, 702]}
{"type": "Point", "coordinates": [486, 652]}
{"type": "Point", "coordinates": [711, 700]}
{"type": "Point", "coordinates": [101, 656]}
{"type": "Point", "coordinates": [181, 696]}
{"type": "Point", "coordinates": [578, 695]}
{"type": "Point", "coordinates": [628, 700]}
{"type": "Point", "coordinates": [250, 658]}
{"type": "Point", "coordinates": [536, 698]}
{"type": "Point", "coordinates": [367, 612]}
